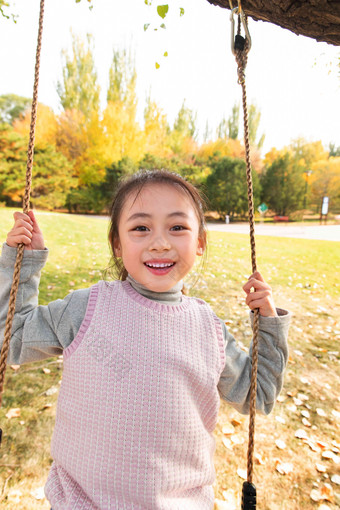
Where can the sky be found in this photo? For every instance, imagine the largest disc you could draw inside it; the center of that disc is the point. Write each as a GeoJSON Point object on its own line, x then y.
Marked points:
{"type": "Point", "coordinates": [293, 80]}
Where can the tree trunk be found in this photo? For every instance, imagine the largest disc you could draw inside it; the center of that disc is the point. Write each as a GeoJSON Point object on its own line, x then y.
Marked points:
{"type": "Point", "coordinates": [319, 19]}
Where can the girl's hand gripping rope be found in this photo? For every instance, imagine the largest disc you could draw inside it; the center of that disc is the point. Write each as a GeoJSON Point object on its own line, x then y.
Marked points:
{"type": "Point", "coordinates": [26, 230]}
{"type": "Point", "coordinates": [261, 296]}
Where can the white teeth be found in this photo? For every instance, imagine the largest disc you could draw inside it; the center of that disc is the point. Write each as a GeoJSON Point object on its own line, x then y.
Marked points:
{"type": "Point", "coordinates": [160, 265]}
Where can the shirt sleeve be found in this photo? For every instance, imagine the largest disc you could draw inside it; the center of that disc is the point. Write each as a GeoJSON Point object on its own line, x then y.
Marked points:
{"type": "Point", "coordinates": [38, 332]}
{"type": "Point", "coordinates": [234, 383]}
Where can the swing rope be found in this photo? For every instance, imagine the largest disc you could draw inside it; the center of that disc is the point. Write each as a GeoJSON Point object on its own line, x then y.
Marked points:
{"type": "Point", "coordinates": [26, 203]}
{"type": "Point", "coordinates": [240, 48]}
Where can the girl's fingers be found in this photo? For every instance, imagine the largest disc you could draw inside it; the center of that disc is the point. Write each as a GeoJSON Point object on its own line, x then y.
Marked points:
{"type": "Point", "coordinates": [22, 216]}
{"type": "Point", "coordinates": [256, 296]}
{"type": "Point", "coordinates": [256, 284]}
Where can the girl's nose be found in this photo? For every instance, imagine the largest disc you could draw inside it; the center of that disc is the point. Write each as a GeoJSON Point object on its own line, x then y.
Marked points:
{"type": "Point", "coordinates": [159, 242]}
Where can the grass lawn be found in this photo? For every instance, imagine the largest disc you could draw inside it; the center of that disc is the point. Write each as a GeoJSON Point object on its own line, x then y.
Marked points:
{"type": "Point", "coordinates": [305, 276]}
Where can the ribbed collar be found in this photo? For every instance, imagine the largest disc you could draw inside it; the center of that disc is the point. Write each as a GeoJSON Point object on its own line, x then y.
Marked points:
{"type": "Point", "coordinates": [170, 297]}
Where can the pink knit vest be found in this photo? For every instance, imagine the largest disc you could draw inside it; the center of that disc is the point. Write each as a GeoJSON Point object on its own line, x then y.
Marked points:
{"type": "Point", "coordinates": [137, 406]}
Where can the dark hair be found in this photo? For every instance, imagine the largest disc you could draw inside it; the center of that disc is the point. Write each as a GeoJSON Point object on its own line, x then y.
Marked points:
{"type": "Point", "coordinates": [136, 182]}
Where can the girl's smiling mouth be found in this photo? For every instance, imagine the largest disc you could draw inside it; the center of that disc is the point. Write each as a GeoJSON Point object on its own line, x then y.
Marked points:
{"type": "Point", "coordinates": [160, 267]}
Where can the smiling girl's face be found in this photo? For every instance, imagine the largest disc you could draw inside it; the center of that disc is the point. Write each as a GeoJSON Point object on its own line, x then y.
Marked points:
{"type": "Point", "coordinates": [159, 236]}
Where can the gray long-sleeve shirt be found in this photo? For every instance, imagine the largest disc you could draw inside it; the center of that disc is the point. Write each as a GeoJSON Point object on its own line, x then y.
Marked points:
{"type": "Point", "coordinates": [40, 332]}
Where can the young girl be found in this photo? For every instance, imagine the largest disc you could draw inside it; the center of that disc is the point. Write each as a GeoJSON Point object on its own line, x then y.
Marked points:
{"type": "Point", "coordinates": [144, 365]}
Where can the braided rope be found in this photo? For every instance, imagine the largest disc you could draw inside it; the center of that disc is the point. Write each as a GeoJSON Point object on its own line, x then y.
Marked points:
{"type": "Point", "coordinates": [26, 202]}
{"type": "Point", "coordinates": [241, 59]}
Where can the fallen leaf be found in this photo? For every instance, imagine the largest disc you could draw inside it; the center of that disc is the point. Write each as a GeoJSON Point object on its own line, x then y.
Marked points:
{"type": "Point", "coordinates": [280, 419]}
{"type": "Point", "coordinates": [223, 505]}
{"type": "Point", "coordinates": [228, 429]}
{"type": "Point", "coordinates": [284, 468]}
{"type": "Point", "coordinates": [321, 468]}
{"type": "Point", "coordinates": [230, 498]}
{"type": "Point", "coordinates": [322, 444]}
{"type": "Point", "coordinates": [258, 458]}
{"type": "Point", "coordinates": [242, 473]}
{"type": "Point", "coordinates": [15, 367]}
{"type": "Point", "coordinates": [336, 413]}
{"type": "Point", "coordinates": [14, 496]}
{"type": "Point", "coordinates": [306, 422]}
{"type": "Point", "coordinates": [280, 444]}
{"type": "Point", "coordinates": [281, 398]}
{"type": "Point", "coordinates": [325, 492]}
{"type": "Point", "coordinates": [336, 479]}
{"type": "Point", "coordinates": [46, 370]}
{"type": "Point", "coordinates": [237, 439]}
{"type": "Point", "coordinates": [327, 454]}
{"type": "Point", "coordinates": [238, 420]}
{"type": "Point", "coordinates": [227, 443]}
{"type": "Point", "coordinates": [13, 413]}
{"type": "Point", "coordinates": [301, 434]}
{"type": "Point", "coordinates": [292, 408]}
{"type": "Point", "coordinates": [302, 396]}
{"type": "Point", "coordinates": [38, 493]}
{"type": "Point", "coordinates": [291, 393]}
{"type": "Point", "coordinates": [321, 412]}
{"type": "Point", "coordinates": [306, 414]}
{"type": "Point", "coordinates": [51, 391]}
{"type": "Point", "coordinates": [297, 401]}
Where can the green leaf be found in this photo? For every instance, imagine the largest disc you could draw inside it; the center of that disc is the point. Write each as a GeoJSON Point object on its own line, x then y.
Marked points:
{"type": "Point", "coordinates": [181, 11]}
{"type": "Point", "coordinates": [163, 26]}
{"type": "Point", "coordinates": [148, 2]}
{"type": "Point", "coordinates": [165, 54]}
{"type": "Point", "coordinates": [157, 66]}
{"type": "Point", "coordinates": [162, 10]}
{"type": "Point", "coordinates": [146, 26]}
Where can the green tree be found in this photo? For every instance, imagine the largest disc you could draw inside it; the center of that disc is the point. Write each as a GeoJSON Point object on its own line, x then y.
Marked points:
{"type": "Point", "coordinates": [226, 186]}
{"type": "Point", "coordinates": [283, 186]}
{"type": "Point", "coordinates": [233, 122]}
{"type": "Point", "coordinates": [334, 151]}
{"type": "Point", "coordinates": [122, 80]}
{"type": "Point", "coordinates": [184, 132]}
{"type": "Point", "coordinates": [254, 118]}
{"type": "Point", "coordinates": [79, 89]}
{"type": "Point", "coordinates": [12, 107]}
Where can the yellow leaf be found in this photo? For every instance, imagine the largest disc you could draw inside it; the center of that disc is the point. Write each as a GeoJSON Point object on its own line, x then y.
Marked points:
{"type": "Point", "coordinates": [13, 413]}
{"type": "Point", "coordinates": [228, 429]}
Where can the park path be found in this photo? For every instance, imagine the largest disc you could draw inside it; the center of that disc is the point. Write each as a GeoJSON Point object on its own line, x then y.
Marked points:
{"type": "Point", "coordinates": [319, 232]}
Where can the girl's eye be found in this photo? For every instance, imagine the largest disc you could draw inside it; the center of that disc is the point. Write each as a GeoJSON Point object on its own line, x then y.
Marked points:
{"type": "Point", "coordinates": [140, 228]}
{"type": "Point", "coordinates": [177, 228]}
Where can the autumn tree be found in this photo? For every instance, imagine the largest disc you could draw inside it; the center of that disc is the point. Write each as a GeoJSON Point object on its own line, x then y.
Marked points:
{"type": "Point", "coordinates": [46, 125]}
{"type": "Point", "coordinates": [156, 130]}
{"type": "Point", "coordinates": [325, 181]}
{"type": "Point", "coordinates": [52, 173]}
{"type": "Point", "coordinates": [122, 135]}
